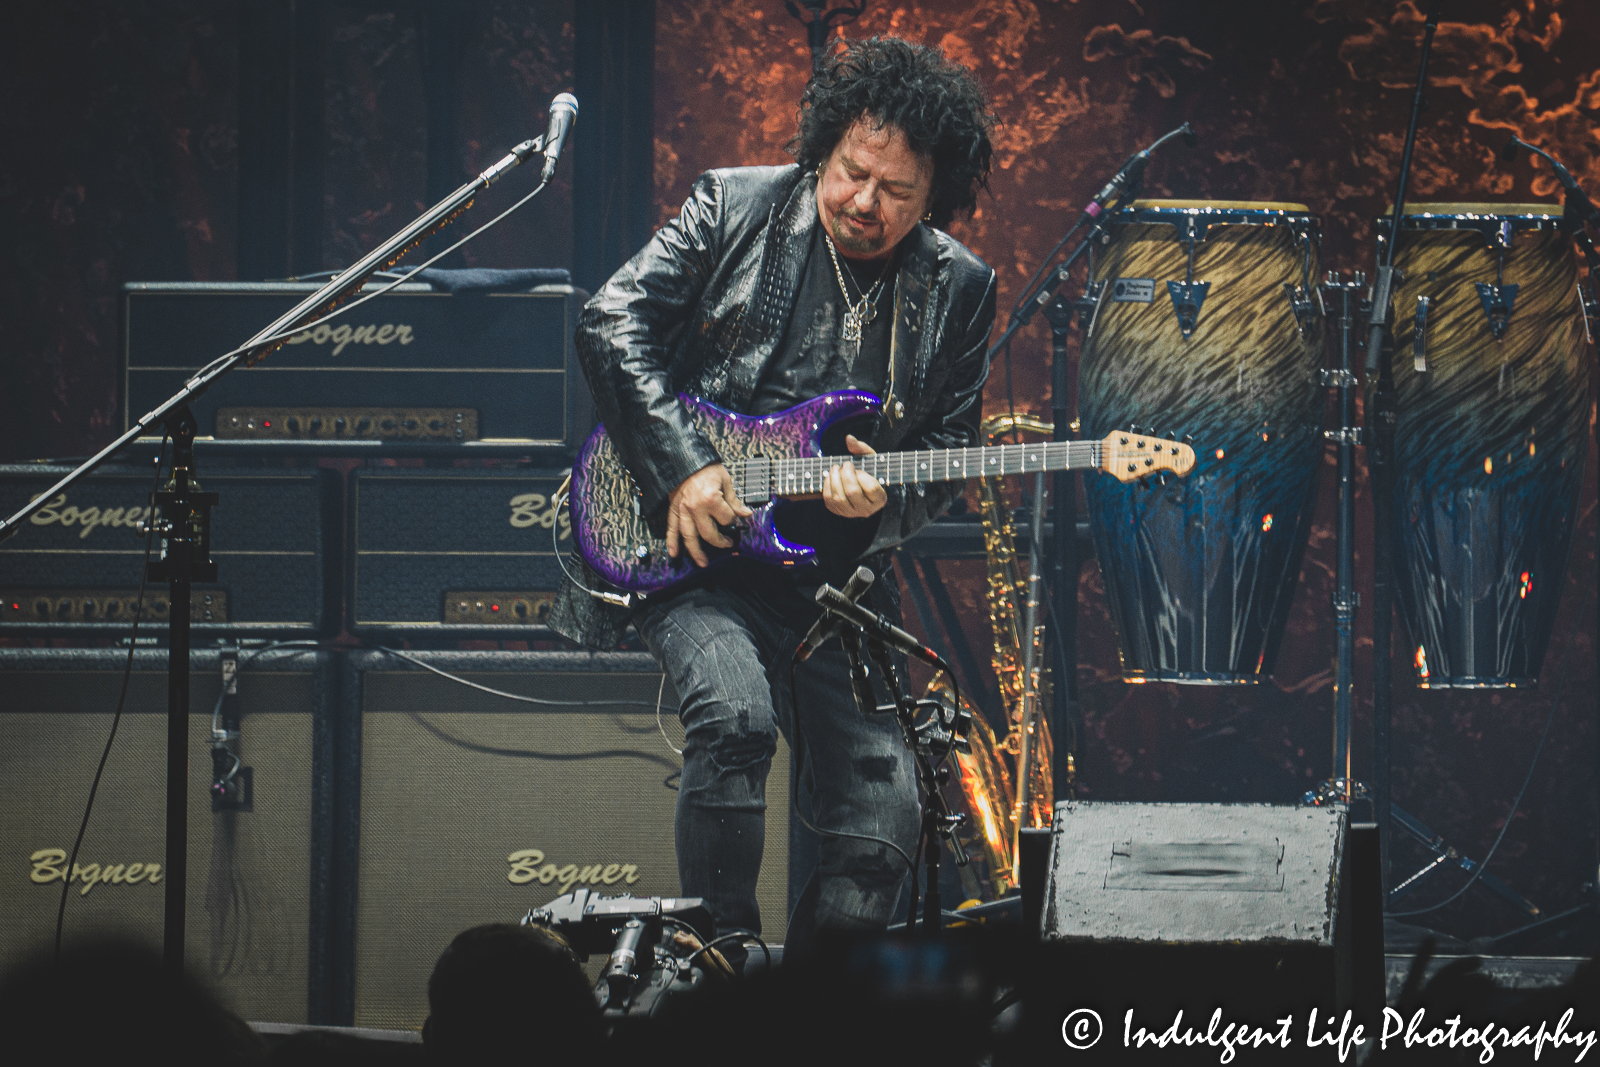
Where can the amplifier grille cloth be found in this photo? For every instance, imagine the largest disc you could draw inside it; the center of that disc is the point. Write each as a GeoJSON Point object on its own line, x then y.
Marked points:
{"type": "Point", "coordinates": [449, 791]}
{"type": "Point", "coordinates": [248, 892]}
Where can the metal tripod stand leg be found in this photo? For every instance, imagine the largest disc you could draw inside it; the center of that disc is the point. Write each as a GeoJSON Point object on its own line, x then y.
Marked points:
{"type": "Point", "coordinates": [1445, 854]}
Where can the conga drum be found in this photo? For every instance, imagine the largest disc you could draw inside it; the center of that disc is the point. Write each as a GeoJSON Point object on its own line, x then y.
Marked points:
{"type": "Point", "coordinates": [1491, 404]}
{"type": "Point", "coordinates": [1206, 328]}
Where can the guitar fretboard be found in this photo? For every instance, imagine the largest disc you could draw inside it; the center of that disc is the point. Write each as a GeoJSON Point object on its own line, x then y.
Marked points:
{"type": "Point", "coordinates": [758, 478]}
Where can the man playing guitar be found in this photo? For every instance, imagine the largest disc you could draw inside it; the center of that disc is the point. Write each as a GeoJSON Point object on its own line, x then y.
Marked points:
{"type": "Point", "coordinates": [775, 285]}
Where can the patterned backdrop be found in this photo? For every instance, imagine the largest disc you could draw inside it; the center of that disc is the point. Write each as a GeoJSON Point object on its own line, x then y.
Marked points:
{"type": "Point", "coordinates": [1303, 102]}
{"type": "Point", "coordinates": [121, 122]}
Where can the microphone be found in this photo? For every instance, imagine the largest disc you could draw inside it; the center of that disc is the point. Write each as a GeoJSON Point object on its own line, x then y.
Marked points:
{"type": "Point", "coordinates": [1133, 170]}
{"type": "Point", "coordinates": [563, 113]}
{"type": "Point", "coordinates": [1578, 202]}
{"type": "Point", "coordinates": [827, 625]}
{"type": "Point", "coordinates": [877, 627]}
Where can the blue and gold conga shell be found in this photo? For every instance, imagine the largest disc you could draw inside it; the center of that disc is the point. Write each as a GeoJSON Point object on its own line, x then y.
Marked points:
{"type": "Point", "coordinates": [1489, 437]}
{"type": "Point", "coordinates": [1205, 328]}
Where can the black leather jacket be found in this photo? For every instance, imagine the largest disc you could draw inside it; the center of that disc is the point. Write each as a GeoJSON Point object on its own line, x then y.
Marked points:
{"type": "Point", "coordinates": [703, 306]}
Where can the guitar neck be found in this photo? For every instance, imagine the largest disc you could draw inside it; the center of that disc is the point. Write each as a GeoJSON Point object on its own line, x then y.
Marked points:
{"type": "Point", "coordinates": [799, 476]}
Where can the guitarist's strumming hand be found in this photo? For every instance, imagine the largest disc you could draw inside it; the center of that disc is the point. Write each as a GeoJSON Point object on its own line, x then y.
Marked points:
{"type": "Point", "coordinates": [701, 504]}
{"type": "Point", "coordinates": [850, 492]}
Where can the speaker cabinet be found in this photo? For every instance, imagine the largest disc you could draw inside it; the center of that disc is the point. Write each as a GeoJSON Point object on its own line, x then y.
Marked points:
{"type": "Point", "coordinates": [250, 901]}
{"type": "Point", "coordinates": [1160, 906]}
{"type": "Point", "coordinates": [475, 808]}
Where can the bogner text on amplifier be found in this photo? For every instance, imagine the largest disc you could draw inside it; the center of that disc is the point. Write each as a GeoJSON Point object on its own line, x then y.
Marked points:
{"type": "Point", "coordinates": [455, 550]}
{"type": "Point", "coordinates": [74, 566]}
{"type": "Point", "coordinates": [255, 914]}
{"type": "Point", "coordinates": [475, 808]}
{"type": "Point", "coordinates": [412, 365]}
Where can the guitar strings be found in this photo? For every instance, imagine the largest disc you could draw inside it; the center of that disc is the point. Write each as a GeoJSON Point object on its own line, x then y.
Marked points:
{"type": "Point", "coordinates": [805, 473]}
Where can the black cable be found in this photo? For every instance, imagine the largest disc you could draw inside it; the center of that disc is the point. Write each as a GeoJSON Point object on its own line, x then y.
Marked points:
{"type": "Point", "coordinates": [1044, 266]}
{"type": "Point", "coordinates": [218, 733]}
{"type": "Point", "coordinates": [1555, 704]}
{"type": "Point", "coordinates": [122, 698]}
{"type": "Point", "coordinates": [916, 882]}
{"type": "Point", "coordinates": [216, 709]}
{"type": "Point", "coordinates": [534, 754]}
{"type": "Point", "coordinates": [542, 701]}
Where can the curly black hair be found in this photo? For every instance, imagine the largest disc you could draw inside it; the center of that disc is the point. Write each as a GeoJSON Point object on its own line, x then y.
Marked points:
{"type": "Point", "coordinates": [937, 103]}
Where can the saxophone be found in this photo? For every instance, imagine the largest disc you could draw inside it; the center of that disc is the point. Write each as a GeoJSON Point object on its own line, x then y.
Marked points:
{"type": "Point", "coordinates": [989, 773]}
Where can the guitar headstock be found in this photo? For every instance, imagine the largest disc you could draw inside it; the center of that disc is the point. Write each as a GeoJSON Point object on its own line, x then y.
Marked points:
{"type": "Point", "coordinates": [1130, 456]}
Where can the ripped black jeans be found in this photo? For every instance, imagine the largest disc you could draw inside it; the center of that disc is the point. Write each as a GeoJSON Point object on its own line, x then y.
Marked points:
{"type": "Point", "coordinates": [727, 653]}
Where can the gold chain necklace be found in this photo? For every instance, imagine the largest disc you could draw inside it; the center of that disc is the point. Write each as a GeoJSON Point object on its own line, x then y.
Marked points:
{"type": "Point", "coordinates": [859, 313]}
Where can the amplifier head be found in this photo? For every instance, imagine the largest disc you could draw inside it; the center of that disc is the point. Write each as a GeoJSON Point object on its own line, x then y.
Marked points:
{"type": "Point", "coordinates": [74, 567]}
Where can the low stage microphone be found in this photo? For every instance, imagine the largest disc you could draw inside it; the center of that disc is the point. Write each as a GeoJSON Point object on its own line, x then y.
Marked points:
{"type": "Point", "coordinates": [877, 628]}
{"type": "Point", "coordinates": [1508, 153]}
{"type": "Point", "coordinates": [1133, 170]}
{"type": "Point", "coordinates": [827, 624]}
{"type": "Point", "coordinates": [563, 113]}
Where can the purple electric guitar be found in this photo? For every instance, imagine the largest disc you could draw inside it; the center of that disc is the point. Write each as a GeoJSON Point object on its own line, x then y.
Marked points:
{"type": "Point", "coordinates": [776, 456]}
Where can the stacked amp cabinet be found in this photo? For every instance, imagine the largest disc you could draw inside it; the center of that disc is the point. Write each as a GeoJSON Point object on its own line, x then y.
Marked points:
{"type": "Point", "coordinates": [385, 484]}
{"type": "Point", "coordinates": [389, 809]}
{"type": "Point", "coordinates": [474, 808]}
{"type": "Point", "coordinates": [257, 926]}
{"type": "Point", "coordinates": [446, 420]}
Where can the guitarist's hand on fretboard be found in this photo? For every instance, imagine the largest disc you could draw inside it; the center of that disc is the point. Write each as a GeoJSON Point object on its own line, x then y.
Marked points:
{"type": "Point", "coordinates": [852, 492]}
{"type": "Point", "coordinates": [699, 508]}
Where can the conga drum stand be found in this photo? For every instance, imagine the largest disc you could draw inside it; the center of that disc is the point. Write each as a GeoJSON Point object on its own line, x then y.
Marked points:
{"type": "Point", "coordinates": [1342, 787]}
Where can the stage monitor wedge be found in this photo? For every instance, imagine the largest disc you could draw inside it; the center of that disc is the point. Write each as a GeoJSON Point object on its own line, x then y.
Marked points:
{"type": "Point", "coordinates": [1161, 907]}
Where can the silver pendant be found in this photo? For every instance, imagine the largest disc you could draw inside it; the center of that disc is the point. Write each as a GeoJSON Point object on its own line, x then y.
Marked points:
{"type": "Point", "coordinates": [852, 326]}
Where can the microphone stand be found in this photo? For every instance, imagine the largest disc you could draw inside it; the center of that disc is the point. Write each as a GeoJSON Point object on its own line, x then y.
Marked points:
{"type": "Point", "coordinates": [943, 732]}
{"type": "Point", "coordinates": [185, 513]}
{"type": "Point", "coordinates": [1380, 457]}
{"type": "Point", "coordinates": [939, 823]}
{"type": "Point", "coordinates": [1065, 562]}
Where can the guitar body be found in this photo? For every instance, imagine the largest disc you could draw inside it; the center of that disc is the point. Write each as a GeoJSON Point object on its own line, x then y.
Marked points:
{"type": "Point", "coordinates": [617, 542]}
